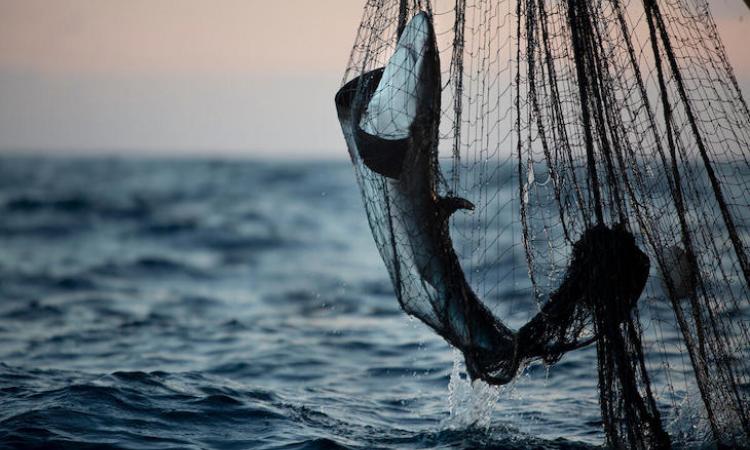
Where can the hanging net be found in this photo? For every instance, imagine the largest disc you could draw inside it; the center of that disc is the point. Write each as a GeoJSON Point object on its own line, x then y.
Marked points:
{"type": "Point", "coordinates": [541, 176]}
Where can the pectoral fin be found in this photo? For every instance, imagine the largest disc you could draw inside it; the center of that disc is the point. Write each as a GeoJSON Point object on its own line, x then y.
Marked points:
{"type": "Point", "coordinates": [449, 205]}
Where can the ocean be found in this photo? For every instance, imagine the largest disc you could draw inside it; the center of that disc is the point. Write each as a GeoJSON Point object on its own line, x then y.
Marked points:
{"type": "Point", "coordinates": [234, 304]}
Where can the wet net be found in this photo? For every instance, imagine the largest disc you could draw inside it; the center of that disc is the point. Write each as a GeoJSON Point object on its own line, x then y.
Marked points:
{"type": "Point", "coordinates": [603, 143]}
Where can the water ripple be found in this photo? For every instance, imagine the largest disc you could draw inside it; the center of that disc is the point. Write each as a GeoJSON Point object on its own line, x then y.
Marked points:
{"type": "Point", "coordinates": [168, 304]}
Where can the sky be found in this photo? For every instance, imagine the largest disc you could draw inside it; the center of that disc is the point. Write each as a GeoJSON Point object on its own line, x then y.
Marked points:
{"type": "Point", "coordinates": [237, 77]}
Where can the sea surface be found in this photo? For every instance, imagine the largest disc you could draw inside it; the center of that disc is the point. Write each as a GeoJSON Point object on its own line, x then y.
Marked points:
{"type": "Point", "coordinates": [220, 304]}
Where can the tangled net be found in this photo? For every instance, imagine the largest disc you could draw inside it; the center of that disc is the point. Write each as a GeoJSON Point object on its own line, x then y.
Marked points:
{"type": "Point", "coordinates": [623, 129]}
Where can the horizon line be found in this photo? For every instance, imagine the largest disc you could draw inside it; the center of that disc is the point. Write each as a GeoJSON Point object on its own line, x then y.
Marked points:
{"type": "Point", "coordinates": [175, 153]}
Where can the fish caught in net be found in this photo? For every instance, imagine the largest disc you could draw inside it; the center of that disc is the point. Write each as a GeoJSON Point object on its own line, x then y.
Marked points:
{"type": "Point", "coordinates": [604, 141]}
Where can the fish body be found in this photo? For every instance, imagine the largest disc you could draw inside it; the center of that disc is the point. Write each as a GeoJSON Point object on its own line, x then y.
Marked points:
{"type": "Point", "coordinates": [390, 119]}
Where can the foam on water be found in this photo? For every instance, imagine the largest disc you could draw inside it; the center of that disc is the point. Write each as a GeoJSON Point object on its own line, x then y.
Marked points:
{"type": "Point", "coordinates": [470, 403]}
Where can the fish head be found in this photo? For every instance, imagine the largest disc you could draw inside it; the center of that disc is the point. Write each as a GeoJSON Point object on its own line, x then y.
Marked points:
{"type": "Point", "coordinates": [396, 120]}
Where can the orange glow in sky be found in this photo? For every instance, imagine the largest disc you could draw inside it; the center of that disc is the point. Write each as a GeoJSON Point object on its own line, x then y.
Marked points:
{"type": "Point", "coordinates": [146, 36]}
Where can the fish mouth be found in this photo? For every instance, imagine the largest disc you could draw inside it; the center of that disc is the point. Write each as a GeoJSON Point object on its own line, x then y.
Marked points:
{"type": "Point", "coordinates": [382, 156]}
{"type": "Point", "coordinates": [393, 110]}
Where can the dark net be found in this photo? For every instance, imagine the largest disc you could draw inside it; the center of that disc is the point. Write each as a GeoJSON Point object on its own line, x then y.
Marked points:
{"type": "Point", "coordinates": [604, 142]}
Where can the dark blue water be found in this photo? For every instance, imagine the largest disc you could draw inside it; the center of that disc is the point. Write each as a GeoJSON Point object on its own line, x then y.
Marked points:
{"type": "Point", "coordinates": [149, 304]}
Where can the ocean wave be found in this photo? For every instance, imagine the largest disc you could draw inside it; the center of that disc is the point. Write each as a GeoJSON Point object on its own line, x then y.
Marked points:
{"type": "Point", "coordinates": [26, 203]}
{"type": "Point", "coordinates": [78, 205]}
{"type": "Point", "coordinates": [45, 230]}
{"type": "Point", "coordinates": [149, 266]}
{"type": "Point", "coordinates": [140, 410]}
{"type": "Point", "coordinates": [221, 305]}
{"type": "Point", "coordinates": [34, 310]}
{"type": "Point", "coordinates": [54, 282]}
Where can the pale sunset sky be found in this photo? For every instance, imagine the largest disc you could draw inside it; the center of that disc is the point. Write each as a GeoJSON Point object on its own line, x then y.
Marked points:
{"type": "Point", "coordinates": [238, 77]}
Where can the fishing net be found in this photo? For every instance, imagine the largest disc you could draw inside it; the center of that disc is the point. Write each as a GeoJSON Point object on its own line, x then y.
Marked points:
{"type": "Point", "coordinates": [604, 142]}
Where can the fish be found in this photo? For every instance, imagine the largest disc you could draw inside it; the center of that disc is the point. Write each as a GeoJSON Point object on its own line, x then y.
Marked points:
{"type": "Point", "coordinates": [390, 119]}
{"type": "Point", "coordinates": [401, 147]}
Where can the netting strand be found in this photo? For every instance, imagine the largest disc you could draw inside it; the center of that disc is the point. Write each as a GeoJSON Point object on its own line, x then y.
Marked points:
{"type": "Point", "coordinates": [565, 123]}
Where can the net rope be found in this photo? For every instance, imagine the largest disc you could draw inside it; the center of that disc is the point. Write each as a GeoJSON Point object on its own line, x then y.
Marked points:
{"type": "Point", "coordinates": [573, 127]}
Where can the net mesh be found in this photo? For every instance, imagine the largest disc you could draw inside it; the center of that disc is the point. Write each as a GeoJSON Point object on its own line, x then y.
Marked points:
{"type": "Point", "coordinates": [572, 128]}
